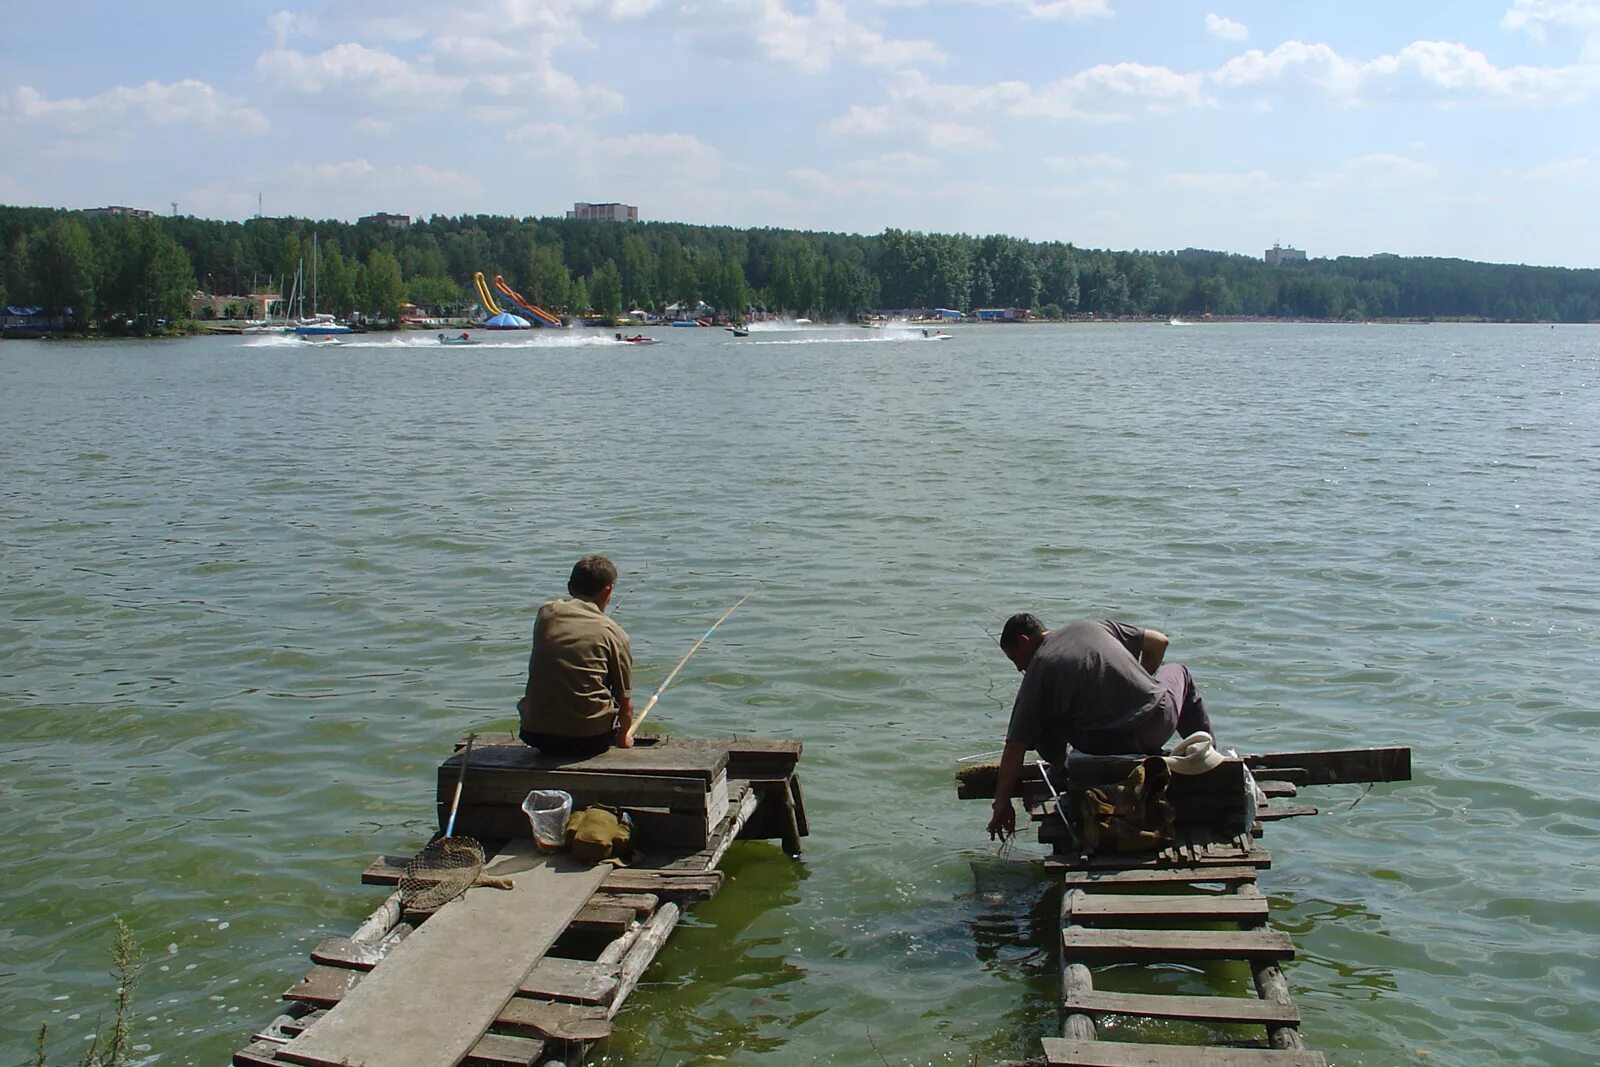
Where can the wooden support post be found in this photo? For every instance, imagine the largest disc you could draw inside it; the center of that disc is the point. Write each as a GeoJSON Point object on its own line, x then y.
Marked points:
{"type": "Point", "coordinates": [651, 938]}
{"type": "Point", "coordinates": [377, 925]}
{"type": "Point", "coordinates": [1273, 987]}
{"type": "Point", "coordinates": [791, 820]}
{"type": "Point", "coordinates": [1076, 979]}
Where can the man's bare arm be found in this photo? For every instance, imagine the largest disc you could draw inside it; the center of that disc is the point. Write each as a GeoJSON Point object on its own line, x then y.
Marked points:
{"type": "Point", "coordinates": [1003, 820]}
{"type": "Point", "coordinates": [624, 721]}
{"type": "Point", "coordinates": [1155, 647]}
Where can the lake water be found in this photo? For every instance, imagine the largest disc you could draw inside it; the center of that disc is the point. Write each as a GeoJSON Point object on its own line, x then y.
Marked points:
{"type": "Point", "coordinates": [253, 589]}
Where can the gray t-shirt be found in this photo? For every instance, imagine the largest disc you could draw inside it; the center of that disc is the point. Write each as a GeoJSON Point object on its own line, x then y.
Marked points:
{"type": "Point", "coordinates": [1085, 676]}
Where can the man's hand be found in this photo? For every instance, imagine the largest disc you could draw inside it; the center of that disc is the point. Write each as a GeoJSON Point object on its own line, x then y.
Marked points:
{"type": "Point", "coordinates": [624, 724]}
{"type": "Point", "coordinates": [1003, 823]}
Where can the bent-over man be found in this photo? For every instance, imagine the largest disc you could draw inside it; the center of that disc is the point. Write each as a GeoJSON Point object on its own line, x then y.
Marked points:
{"type": "Point", "coordinates": [1097, 685]}
{"type": "Point", "coordinates": [580, 672]}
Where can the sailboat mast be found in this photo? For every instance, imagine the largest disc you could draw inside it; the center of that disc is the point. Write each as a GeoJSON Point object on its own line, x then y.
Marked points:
{"type": "Point", "coordinates": [313, 274]}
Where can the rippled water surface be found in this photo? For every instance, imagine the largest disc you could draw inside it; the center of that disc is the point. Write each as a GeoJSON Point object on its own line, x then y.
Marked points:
{"type": "Point", "coordinates": [253, 589]}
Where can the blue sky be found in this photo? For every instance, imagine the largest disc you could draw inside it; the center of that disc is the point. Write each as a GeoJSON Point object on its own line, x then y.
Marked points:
{"type": "Point", "coordinates": [1463, 129]}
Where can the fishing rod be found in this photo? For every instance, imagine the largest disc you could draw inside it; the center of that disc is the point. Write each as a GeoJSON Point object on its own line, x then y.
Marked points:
{"type": "Point", "coordinates": [639, 718]}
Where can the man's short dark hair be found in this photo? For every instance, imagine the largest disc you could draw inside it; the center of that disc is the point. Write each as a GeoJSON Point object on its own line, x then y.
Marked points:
{"type": "Point", "coordinates": [591, 575]}
{"type": "Point", "coordinates": [1020, 624]}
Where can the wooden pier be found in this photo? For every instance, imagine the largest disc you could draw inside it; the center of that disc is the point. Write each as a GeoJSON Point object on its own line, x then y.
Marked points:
{"type": "Point", "coordinates": [534, 975]}
{"type": "Point", "coordinates": [1193, 901]}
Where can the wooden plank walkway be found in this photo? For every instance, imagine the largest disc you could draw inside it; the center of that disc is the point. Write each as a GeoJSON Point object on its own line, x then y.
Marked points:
{"type": "Point", "coordinates": [441, 988]}
{"type": "Point", "coordinates": [541, 980]}
{"type": "Point", "coordinates": [1124, 908]}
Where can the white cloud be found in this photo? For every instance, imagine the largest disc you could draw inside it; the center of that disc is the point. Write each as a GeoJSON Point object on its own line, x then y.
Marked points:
{"type": "Point", "coordinates": [896, 165]}
{"type": "Point", "coordinates": [1255, 181]}
{"type": "Point", "coordinates": [1097, 161]}
{"type": "Point", "coordinates": [346, 189]}
{"type": "Point", "coordinates": [1442, 70]}
{"type": "Point", "coordinates": [1225, 28]}
{"type": "Point", "coordinates": [1537, 17]}
{"type": "Point", "coordinates": [353, 70]}
{"type": "Point", "coordinates": [666, 163]}
{"type": "Point", "coordinates": [122, 111]}
{"type": "Point", "coordinates": [1558, 170]}
{"type": "Point", "coordinates": [811, 43]}
{"type": "Point", "coordinates": [1377, 171]}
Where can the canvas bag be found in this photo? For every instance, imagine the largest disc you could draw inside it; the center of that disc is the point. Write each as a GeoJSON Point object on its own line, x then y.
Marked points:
{"type": "Point", "coordinates": [1133, 815]}
{"type": "Point", "coordinates": [598, 833]}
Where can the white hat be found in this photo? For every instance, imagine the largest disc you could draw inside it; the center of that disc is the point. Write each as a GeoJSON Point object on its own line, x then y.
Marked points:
{"type": "Point", "coordinates": [1195, 754]}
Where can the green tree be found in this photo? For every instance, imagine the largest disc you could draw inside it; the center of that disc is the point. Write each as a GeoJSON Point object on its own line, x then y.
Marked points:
{"type": "Point", "coordinates": [436, 294]}
{"type": "Point", "coordinates": [336, 281]}
{"type": "Point", "coordinates": [62, 264]}
{"type": "Point", "coordinates": [638, 272]}
{"type": "Point", "coordinates": [549, 282]}
{"type": "Point", "coordinates": [580, 298]}
{"type": "Point", "coordinates": [381, 287]}
{"type": "Point", "coordinates": [605, 289]}
{"type": "Point", "coordinates": [732, 293]}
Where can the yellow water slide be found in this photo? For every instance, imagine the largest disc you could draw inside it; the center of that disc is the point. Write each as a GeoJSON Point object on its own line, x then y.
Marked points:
{"type": "Point", "coordinates": [485, 297]}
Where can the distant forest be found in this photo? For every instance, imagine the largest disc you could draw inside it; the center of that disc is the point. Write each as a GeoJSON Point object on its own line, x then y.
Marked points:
{"type": "Point", "coordinates": [117, 274]}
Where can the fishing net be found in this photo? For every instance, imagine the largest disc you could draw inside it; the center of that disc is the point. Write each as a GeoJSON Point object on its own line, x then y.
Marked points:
{"type": "Point", "coordinates": [442, 871]}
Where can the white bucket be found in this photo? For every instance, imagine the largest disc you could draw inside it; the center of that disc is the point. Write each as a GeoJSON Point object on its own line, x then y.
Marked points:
{"type": "Point", "coordinates": [547, 811]}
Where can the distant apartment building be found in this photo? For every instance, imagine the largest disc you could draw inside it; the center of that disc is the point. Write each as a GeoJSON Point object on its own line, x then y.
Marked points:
{"type": "Point", "coordinates": [1278, 255]}
{"type": "Point", "coordinates": [604, 212]}
{"type": "Point", "coordinates": [118, 209]}
{"type": "Point", "coordinates": [383, 218]}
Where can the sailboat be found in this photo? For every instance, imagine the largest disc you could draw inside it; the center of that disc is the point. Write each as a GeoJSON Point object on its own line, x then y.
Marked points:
{"type": "Point", "coordinates": [318, 326]}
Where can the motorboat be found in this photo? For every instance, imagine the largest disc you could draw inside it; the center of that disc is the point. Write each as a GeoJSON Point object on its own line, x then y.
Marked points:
{"type": "Point", "coordinates": [464, 339]}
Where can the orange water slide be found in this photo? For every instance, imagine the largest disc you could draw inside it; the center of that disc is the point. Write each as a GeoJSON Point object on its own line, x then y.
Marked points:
{"type": "Point", "coordinates": [517, 298]}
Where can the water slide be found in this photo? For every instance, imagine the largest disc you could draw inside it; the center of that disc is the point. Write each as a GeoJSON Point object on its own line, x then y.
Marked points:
{"type": "Point", "coordinates": [484, 296]}
{"type": "Point", "coordinates": [539, 313]}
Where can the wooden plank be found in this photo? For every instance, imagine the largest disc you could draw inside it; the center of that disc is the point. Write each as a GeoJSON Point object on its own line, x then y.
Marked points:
{"type": "Point", "coordinates": [669, 759]}
{"type": "Point", "coordinates": [1197, 1009]}
{"type": "Point", "coordinates": [668, 885]}
{"type": "Point", "coordinates": [323, 986]}
{"type": "Point", "coordinates": [504, 1050]}
{"type": "Point", "coordinates": [574, 981]}
{"type": "Point", "coordinates": [1140, 946]}
{"type": "Point", "coordinates": [503, 786]}
{"type": "Point", "coordinates": [1225, 855]}
{"type": "Point", "coordinates": [362, 955]}
{"type": "Point", "coordinates": [977, 781]}
{"type": "Point", "coordinates": [558, 1022]}
{"type": "Point", "coordinates": [1167, 876]}
{"type": "Point", "coordinates": [442, 987]}
{"type": "Point", "coordinates": [1081, 907]}
{"type": "Point", "coordinates": [492, 1050]}
{"type": "Point", "coordinates": [1277, 788]}
{"type": "Point", "coordinates": [1127, 1054]}
{"type": "Point", "coordinates": [1338, 765]}
{"type": "Point", "coordinates": [1274, 812]}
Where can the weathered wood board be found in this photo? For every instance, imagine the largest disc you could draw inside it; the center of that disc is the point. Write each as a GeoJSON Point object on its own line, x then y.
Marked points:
{"type": "Point", "coordinates": [1128, 1054]}
{"type": "Point", "coordinates": [1140, 946]}
{"type": "Point", "coordinates": [440, 989]}
{"type": "Point", "coordinates": [1089, 908]}
{"type": "Point", "coordinates": [1197, 1009]}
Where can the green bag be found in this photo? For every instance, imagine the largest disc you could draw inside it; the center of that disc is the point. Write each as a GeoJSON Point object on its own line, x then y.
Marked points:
{"type": "Point", "coordinates": [1133, 815]}
{"type": "Point", "coordinates": [599, 833]}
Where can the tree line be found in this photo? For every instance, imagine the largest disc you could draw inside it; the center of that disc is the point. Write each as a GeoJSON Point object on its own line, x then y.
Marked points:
{"type": "Point", "coordinates": [118, 274]}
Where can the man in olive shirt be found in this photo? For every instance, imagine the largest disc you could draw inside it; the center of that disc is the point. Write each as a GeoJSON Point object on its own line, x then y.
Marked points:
{"type": "Point", "coordinates": [580, 672]}
{"type": "Point", "coordinates": [1097, 685]}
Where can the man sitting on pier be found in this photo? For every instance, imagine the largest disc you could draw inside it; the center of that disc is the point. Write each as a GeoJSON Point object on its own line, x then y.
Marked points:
{"type": "Point", "coordinates": [580, 672]}
{"type": "Point", "coordinates": [1098, 685]}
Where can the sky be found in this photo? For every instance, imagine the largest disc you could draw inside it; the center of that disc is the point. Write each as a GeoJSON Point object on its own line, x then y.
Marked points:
{"type": "Point", "coordinates": [1466, 129]}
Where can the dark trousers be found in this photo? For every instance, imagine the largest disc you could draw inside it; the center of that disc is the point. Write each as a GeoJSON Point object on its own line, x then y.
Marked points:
{"type": "Point", "coordinates": [556, 745]}
{"type": "Point", "coordinates": [1179, 707]}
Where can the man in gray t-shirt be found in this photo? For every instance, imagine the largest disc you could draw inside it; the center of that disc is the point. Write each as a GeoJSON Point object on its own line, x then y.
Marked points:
{"type": "Point", "coordinates": [1097, 685]}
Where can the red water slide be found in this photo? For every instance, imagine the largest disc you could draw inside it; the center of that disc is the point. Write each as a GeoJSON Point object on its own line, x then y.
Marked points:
{"type": "Point", "coordinates": [516, 298]}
